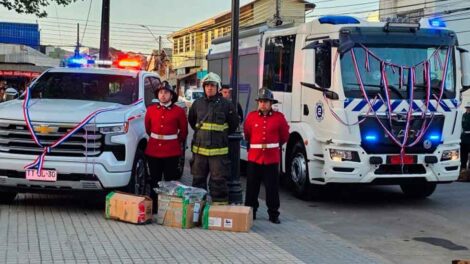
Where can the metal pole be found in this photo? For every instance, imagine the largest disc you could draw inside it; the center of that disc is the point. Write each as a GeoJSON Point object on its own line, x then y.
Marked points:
{"type": "Point", "coordinates": [77, 47]}
{"type": "Point", "coordinates": [104, 43]}
{"type": "Point", "coordinates": [159, 44]}
{"type": "Point", "coordinates": [235, 189]}
{"type": "Point", "coordinates": [277, 15]}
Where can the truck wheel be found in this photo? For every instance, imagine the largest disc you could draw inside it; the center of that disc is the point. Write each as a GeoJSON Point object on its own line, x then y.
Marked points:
{"type": "Point", "coordinates": [418, 190]}
{"type": "Point", "coordinates": [138, 184]}
{"type": "Point", "coordinates": [297, 171]}
{"type": "Point", "coordinates": [7, 197]}
{"type": "Point", "coordinates": [180, 168]}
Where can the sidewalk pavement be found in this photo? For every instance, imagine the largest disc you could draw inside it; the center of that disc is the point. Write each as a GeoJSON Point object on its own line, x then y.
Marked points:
{"type": "Point", "coordinates": [57, 229]}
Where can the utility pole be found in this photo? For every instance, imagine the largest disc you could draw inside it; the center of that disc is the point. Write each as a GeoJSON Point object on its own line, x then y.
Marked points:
{"type": "Point", "coordinates": [77, 47]}
{"type": "Point", "coordinates": [159, 44]}
{"type": "Point", "coordinates": [277, 15]}
{"type": "Point", "coordinates": [104, 43]}
{"type": "Point", "coordinates": [235, 195]}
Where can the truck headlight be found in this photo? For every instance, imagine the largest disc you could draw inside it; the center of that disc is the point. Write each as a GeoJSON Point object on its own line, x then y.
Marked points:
{"type": "Point", "coordinates": [453, 154]}
{"type": "Point", "coordinates": [115, 129]}
{"type": "Point", "coordinates": [344, 155]}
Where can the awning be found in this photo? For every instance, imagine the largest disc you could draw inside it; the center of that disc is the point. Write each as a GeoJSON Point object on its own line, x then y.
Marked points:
{"type": "Point", "coordinates": [185, 76]}
{"type": "Point", "coordinates": [21, 70]}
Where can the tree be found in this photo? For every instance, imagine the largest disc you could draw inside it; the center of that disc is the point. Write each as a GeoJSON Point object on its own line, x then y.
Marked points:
{"type": "Point", "coordinates": [35, 7]}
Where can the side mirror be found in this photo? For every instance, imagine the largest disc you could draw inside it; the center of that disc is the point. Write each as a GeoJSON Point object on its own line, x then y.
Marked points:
{"type": "Point", "coordinates": [329, 94]}
{"type": "Point", "coordinates": [465, 69]}
{"type": "Point", "coordinates": [11, 94]}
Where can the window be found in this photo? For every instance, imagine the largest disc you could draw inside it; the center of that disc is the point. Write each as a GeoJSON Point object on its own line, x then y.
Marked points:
{"type": "Point", "coordinates": [150, 86]}
{"type": "Point", "coordinates": [175, 46]}
{"type": "Point", "coordinates": [180, 45]}
{"type": "Point", "coordinates": [220, 32]}
{"type": "Point", "coordinates": [323, 65]}
{"type": "Point", "coordinates": [187, 44]}
{"type": "Point", "coordinates": [193, 41]}
{"type": "Point", "coordinates": [279, 63]}
{"type": "Point", "coordinates": [206, 40]}
{"type": "Point", "coordinates": [119, 89]}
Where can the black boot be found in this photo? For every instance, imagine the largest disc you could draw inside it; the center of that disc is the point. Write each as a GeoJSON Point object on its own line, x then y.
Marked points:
{"type": "Point", "coordinates": [274, 219]}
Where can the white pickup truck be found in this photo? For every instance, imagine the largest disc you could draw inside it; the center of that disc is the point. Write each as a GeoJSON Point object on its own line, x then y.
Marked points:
{"type": "Point", "coordinates": [107, 153]}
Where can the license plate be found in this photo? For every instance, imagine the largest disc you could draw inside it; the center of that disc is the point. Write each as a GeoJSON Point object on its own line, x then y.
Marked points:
{"type": "Point", "coordinates": [46, 175]}
{"type": "Point", "coordinates": [407, 159]}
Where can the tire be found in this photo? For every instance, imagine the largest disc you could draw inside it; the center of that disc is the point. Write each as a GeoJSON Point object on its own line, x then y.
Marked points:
{"type": "Point", "coordinates": [418, 190]}
{"type": "Point", "coordinates": [180, 168]}
{"type": "Point", "coordinates": [7, 197]}
{"type": "Point", "coordinates": [138, 183]}
{"type": "Point", "coordinates": [297, 172]}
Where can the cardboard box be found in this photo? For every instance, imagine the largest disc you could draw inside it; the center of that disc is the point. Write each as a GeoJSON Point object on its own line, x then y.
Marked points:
{"type": "Point", "coordinates": [228, 218]}
{"type": "Point", "coordinates": [178, 212]}
{"type": "Point", "coordinates": [129, 208]}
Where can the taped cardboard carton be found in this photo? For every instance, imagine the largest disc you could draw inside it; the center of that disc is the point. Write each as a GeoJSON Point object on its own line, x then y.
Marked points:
{"type": "Point", "coordinates": [128, 208]}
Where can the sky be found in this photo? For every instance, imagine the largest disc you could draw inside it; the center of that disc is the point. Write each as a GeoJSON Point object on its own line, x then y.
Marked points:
{"type": "Point", "coordinates": [136, 24]}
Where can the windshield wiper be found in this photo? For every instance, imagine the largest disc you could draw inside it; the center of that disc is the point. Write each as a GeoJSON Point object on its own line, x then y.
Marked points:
{"type": "Point", "coordinates": [392, 88]}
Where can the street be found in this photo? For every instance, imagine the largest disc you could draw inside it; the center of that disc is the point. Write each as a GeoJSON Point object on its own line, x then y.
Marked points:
{"type": "Point", "coordinates": [382, 220]}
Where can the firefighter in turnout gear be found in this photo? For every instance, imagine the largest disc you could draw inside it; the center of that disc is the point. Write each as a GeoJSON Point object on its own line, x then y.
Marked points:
{"type": "Point", "coordinates": [265, 131]}
{"type": "Point", "coordinates": [167, 127]}
{"type": "Point", "coordinates": [213, 118]}
{"type": "Point", "coordinates": [465, 138]}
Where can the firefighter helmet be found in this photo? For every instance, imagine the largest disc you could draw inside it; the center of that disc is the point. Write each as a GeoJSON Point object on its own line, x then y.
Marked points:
{"type": "Point", "coordinates": [266, 94]}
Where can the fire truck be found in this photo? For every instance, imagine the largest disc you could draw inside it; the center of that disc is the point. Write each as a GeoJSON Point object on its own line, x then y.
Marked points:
{"type": "Point", "coordinates": [367, 102]}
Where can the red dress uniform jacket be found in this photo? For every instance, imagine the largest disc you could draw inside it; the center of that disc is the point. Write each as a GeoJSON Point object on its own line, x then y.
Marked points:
{"type": "Point", "coordinates": [162, 120]}
{"type": "Point", "coordinates": [265, 129]}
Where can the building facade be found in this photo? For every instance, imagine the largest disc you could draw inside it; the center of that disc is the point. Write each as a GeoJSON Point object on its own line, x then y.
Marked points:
{"type": "Point", "coordinates": [21, 34]}
{"type": "Point", "coordinates": [191, 44]}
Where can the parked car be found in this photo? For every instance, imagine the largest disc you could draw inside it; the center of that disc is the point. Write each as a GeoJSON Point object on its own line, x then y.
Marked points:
{"type": "Point", "coordinates": [191, 95]}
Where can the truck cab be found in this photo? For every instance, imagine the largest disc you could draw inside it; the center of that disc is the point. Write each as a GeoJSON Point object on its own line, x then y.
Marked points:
{"type": "Point", "coordinates": [367, 103]}
{"type": "Point", "coordinates": [105, 153]}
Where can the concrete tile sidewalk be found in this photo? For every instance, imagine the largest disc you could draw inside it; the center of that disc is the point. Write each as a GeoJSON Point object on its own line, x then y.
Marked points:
{"type": "Point", "coordinates": [57, 229]}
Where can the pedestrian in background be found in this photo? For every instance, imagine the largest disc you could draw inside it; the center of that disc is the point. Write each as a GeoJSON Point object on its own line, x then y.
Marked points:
{"type": "Point", "coordinates": [265, 132]}
{"type": "Point", "coordinates": [465, 138]}
{"type": "Point", "coordinates": [167, 126]}
{"type": "Point", "coordinates": [213, 118]}
{"type": "Point", "coordinates": [226, 92]}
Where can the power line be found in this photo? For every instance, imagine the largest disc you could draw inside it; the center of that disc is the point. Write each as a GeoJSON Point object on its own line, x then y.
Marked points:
{"type": "Point", "coordinates": [86, 23]}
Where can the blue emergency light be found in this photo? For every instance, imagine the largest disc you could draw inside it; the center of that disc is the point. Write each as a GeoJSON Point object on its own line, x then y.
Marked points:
{"type": "Point", "coordinates": [371, 137]}
{"type": "Point", "coordinates": [437, 22]}
{"type": "Point", "coordinates": [79, 61]}
{"type": "Point", "coordinates": [338, 20]}
{"type": "Point", "coordinates": [435, 137]}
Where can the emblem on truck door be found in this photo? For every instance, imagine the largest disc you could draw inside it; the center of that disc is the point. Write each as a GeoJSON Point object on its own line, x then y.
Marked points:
{"type": "Point", "coordinates": [319, 111]}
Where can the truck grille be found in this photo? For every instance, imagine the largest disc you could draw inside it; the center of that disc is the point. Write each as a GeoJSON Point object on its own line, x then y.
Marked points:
{"type": "Point", "coordinates": [15, 138]}
{"type": "Point", "coordinates": [382, 144]}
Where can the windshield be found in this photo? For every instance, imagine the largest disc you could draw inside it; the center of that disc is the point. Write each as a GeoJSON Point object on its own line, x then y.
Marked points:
{"type": "Point", "coordinates": [86, 86]}
{"type": "Point", "coordinates": [369, 63]}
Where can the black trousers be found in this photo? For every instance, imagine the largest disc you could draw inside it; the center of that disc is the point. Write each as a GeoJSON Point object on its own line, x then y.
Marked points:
{"type": "Point", "coordinates": [219, 169]}
{"type": "Point", "coordinates": [269, 175]}
{"type": "Point", "coordinates": [464, 150]}
{"type": "Point", "coordinates": [161, 168]}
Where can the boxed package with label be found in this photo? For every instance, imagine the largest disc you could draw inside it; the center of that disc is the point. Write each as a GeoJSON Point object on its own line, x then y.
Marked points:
{"type": "Point", "coordinates": [129, 208]}
{"type": "Point", "coordinates": [179, 205]}
{"type": "Point", "coordinates": [178, 212]}
{"type": "Point", "coordinates": [227, 218]}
